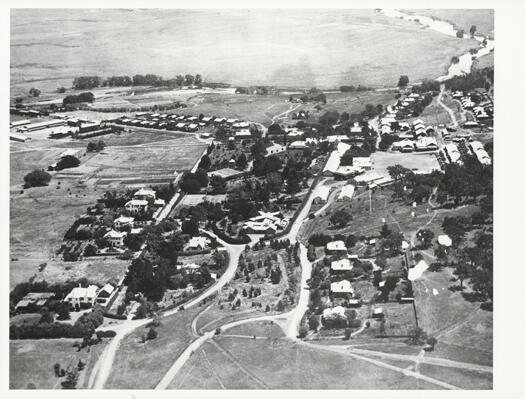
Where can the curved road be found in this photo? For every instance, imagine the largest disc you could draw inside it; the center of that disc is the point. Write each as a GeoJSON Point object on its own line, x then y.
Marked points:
{"type": "Point", "coordinates": [102, 368]}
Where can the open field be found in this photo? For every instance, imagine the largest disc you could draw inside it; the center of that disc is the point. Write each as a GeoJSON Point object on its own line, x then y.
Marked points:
{"type": "Point", "coordinates": [32, 361]}
{"type": "Point", "coordinates": [466, 379]}
{"type": "Point", "coordinates": [281, 364]}
{"type": "Point", "coordinates": [395, 213]}
{"type": "Point", "coordinates": [463, 330]}
{"type": "Point", "coordinates": [485, 61]}
{"type": "Point", "coordinates": [259, 329]}
{"type": "Point", "coordinates": [463, 19]}
{"type": "Point", "coordinates": [413, 161]}
{"type": "Point", "coordinates": [39, 219]}
{"type": "Point", "coordinates": [346, 42]}
{"type": "Point", "coordinates": [142, 365]}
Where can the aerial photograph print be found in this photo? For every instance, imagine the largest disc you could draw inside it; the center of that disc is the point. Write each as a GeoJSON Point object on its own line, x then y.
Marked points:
{"type": "Point", "coordinates": [206, 199]}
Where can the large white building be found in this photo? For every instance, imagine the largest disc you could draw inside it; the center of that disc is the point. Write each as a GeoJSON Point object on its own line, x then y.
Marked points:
{"type": "Point", "coordinates": [82, 296]}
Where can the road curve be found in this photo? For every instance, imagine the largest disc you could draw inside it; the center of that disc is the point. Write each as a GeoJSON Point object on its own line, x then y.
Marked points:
{"type": "Point", "coordinates": [102, 369]}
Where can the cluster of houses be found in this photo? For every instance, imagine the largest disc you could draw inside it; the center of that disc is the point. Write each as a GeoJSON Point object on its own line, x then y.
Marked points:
{"type": "Point", "coordinates": [141, 201]}
{"type": "Point", "coordinates": [419, 138]}
{"type": "Point", "coordinates": [185, 123]}
{"type": "Point", "coordinates": [265, 223]}
{"type": "Point", "coordinates": [78, 298]}
{"type": "Point", "coordinates": [483, 110]}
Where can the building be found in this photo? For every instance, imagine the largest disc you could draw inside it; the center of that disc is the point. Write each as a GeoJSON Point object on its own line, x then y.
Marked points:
{"type": "Point", "coordinates": [337, 311]}
{"type": "Point", "coordinates": [34, 301]}
{"type": "Point", "coordinates": [226, 173]}
{"type": "Point", "coordinates": [243, 134]}
{"type": "Point", "coordinates": [362, 162]}
{"type": "Point", "coordinates": [336, 247]}
{"type": "Point", "coordinates": [356, 129]}
{"type": "Point", "coordinates": [145, 194]}
{"type": "Point", "coordinates": [347, 172]}
{"type": "Point", "coordinates": [444, 240]}
{"type": "Point", "coordinates": [265, 223]}
{"type": "Point", "coordinates": [31, 127]}
{"type": "Point", "coordinates": [417, 270]}
{"type": "Point", "coordinates": [321, 194]}
{"type": "Point", "coordinates": [20, 123]}
{"type": "Point", "coordinates": [197, 243]}
{"type": "Point", "coordinates": [123, 222]}
{"type": "Point", "coordinates": [159, 202]}
{"type": "Point", "coordinates": [341, 266]}
{"type": "Point", "coordinates": [426, 144]}
{"type": "Point", "coordinates": [342, 288]}
{"type": "Point", "coordinates": [115, 238]}
{"type": "Point", "coordinates": [404, 146]}
{"type": "Point", "coordinates": [136, 206]}
{"type": "Point", "coordinates": [334, 159]}
{"type": "Point", "coordinates": [81, 297]}
{"type": "Point", "coordinates": [275, 149]}
{"type": "Point", "coordinates": [104, 294]}
{"type": "Point", "coordinates": [18, 137]}
{"type": "Point", "coordinates": [347, 192]}
{"type": "Point", "coordinates": [453, 154]}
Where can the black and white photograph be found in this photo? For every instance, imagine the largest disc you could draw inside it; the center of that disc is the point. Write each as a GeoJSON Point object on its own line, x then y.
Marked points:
{"type": "Point", "coordinates": [253, 198]}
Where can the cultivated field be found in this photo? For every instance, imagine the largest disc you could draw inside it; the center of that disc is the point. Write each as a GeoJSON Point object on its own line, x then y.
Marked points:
{"type": "Point", "coordinates": [346, 43]}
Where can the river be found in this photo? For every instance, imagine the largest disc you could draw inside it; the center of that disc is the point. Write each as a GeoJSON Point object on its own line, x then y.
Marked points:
{"type": "Point", "coordinates": [465, 61]}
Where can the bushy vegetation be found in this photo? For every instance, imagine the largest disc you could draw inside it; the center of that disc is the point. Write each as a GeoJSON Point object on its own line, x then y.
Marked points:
{"type": "Point", "coordinates": [37, 178]}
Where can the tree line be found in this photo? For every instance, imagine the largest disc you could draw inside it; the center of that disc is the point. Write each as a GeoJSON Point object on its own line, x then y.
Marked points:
{"type": "Point", "coordinates": [91, 82]}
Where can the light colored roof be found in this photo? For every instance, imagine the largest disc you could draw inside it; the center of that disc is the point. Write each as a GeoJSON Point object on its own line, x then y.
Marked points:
{"type": "Point", "coordinates": [417, 270]}
{"type": "Point", "coordinates": [137, 202]}
{"type": "Point", "coordinates": [342, 265]}
{"type": "Point", "coordinates": [342, 286]}
{"type": "Point", "coordinates": [144, 192]}
{"type": "Point", "coordinates": [336, 137]}
{"type": "Point", "coordinates": [124, 219]}
{"type": "Point", "coordinates": [347, 191]}
{"type": "Point", "coordinates": [338, 310]}
{"type": "Point", "coordinates": [336, 246]}
{"type": "Point", "coordinates": [243, 132]}
{"type": "Point", "coordinates": [159, 201]}
{"type": "Point", "coordinates": [275, 148]}
{"type": "Point", "coordinates": [322, 192]}
{"type": "Point", "coordinates": [82, 292]}
{"type": "Point", "coordinates": [367, 177]}
{"type": "Point", "coordinates": [108, 288]}
{"type": "Point", "coordinates": [444, 240]}
{"type": "Point", "coordinates": [198, 242]}
{"type": "Point", "coordinates": [115, 234]}
{"type": "Point", "coordinates": [362, 162]}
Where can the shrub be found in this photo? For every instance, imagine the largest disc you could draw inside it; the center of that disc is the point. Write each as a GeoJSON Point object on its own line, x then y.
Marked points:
{"type": "Point", "coordinates": [37, 178]}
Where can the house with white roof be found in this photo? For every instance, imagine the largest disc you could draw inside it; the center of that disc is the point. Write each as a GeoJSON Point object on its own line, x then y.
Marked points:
{"type": "Point", "coordinates": [197, 243]}
{"type": "Point", "coordinates": [136, 206]}
{"type": "Point", "coordinates": [341, 266]}
{"type": "Point", "coordinates": [356, 129]}
{"type": "Point", "coordinates": [417, 270]}
{"type": "Point", "coordinates": [444, 240]}
{"type": "Point", "coordinates": [122, 222]}
{"type": "Point", "coordinates": [275, 149]}
{"type": "Point", "coordinates": [337, 311]}
{"type": "Point", "coordinates": [426, 144]}
{"type": "Point", "coordinates": [321, 194]}
{"type": "Point", "coordinates": [362, 162]}
{"type": "Point", "coordinates": [82, 297]}
{"type": "Point", "coordinates": [336, 247]}
{"type": "Point", "coordinates": [347, 192]}
{"type": "Point", "coordinates": [341, 288]}
{"type": "Point", "coordinates": [115, 238]}
{"type": "Point", "coordinates": [404, 146]}
{"type": "Point", "coordinates": [453, 153]}
{"type": "Point", "coordinates": [243, 133]}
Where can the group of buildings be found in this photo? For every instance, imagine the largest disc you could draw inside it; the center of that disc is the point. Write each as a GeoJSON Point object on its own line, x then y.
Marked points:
{"type": "Point", "coordinates": [265, 223]}
{"type": "Point", "coordinates": [185, 123]}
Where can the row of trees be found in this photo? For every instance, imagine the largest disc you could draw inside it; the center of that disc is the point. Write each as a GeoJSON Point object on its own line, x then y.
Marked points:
{"type": "Point", "coordinates": [91, 82]}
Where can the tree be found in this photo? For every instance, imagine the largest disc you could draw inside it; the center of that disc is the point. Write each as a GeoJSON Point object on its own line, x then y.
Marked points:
{"type": "Point", "coordinates": [385, 230]}
{"type": "Point", "coordinates": [190, 186]}
{"type": "Point", "coordinates": [473, 30]}
{"type": "Point", "coordinates": [340, 218]}
{"type": "Point", "coordinates": [152, 334]}
{"type": "Point", "coordinates": [275, 182]}
{"type": "Point", "coordinates": [403, 81]}
{"type": "Point", "coordinates": [313, 322]}
{"type": "Point", "coordinates": [218, 185]}
{"type": "Point", "coordinates": [37, 178]}
{"type": "Point", "coordinates": [67, 161]}
{"type": "Point", "coordinates": [202, 177]}
{"type": "Point", "coordinates": [241, 162]}
{"type": "Point", "coordinates": [347, 159]}
{"type": "Point", "coordinates": [90, 250]}
{"type": "Point", "coordinates": [425, 236]}
{"type": "Point", "coordinates": [71, 378]}
{"type": "Point", "coordinates": [462, 271]}
{"type": "Point", "coordinates": [460, 33]}
{"type": "Point", "coordinates": [190, 227]}
{"type": "Point", "coordinates": [63, 312]}
{"type": "Point", "coordinates": [189, 79]}
{"type": "Point", "coordinates": [398, 173]}
{"type": "Point", "coordinates": [179, 79]}
{"type": "Point", "coordinates": [205, 162]}
{"type": "Point", "coordinates": [34, 92]}
{"type": "Point", "coordinates": [61, 90]}
{"type": "Point", "coordinates": [432, 341]}
{"type": "Point", "coordinates": [198, 80]}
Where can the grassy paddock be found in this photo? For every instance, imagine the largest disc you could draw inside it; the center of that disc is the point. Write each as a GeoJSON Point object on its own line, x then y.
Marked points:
{"type": "Point", "coordinates": [141, 366]}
